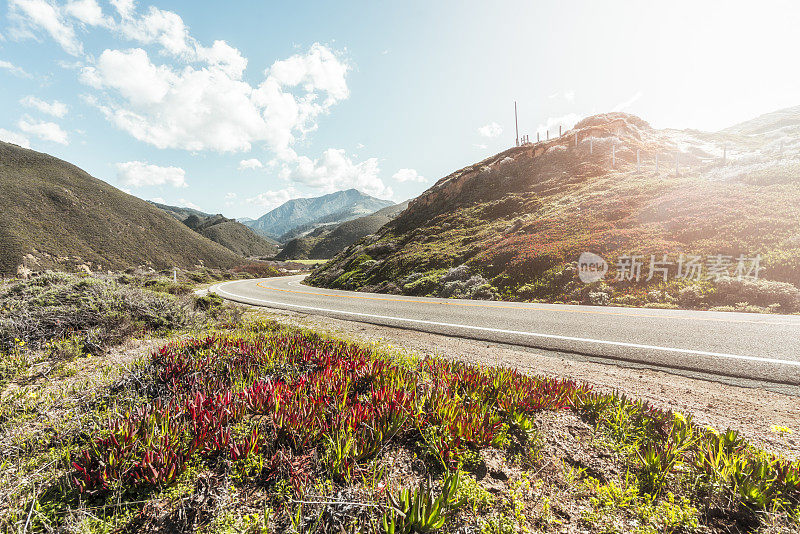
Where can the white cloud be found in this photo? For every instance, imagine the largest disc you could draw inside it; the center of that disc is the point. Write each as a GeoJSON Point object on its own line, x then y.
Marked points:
{"type": "Point", "coordinates": [48, 131]}
{"type": "Point", "coordinates": [335, 171]}
{"type": "Point", "coordinates": [408, 175]}
{"type": "Point", "coordinates": [628, 103]}
{"type": "Point", "coordinates": [490, 130]}
{"type": "Point", "coordinates": [211, 108]}
{"type": "Point", "coordinates": [199, 101]}
{"type": "Point", "coordinates": [273, 199]}
{"type": "Point", "coordinates": [14, 137]}
{"type": "Point", "coordinates": [124, 7]}
{"type": "Point", "coordinates": [13, 69]}
{"type": "Point", "coordinates": [230, 196]}
{"type": "Point", "coordinates": [188, 204]}
{"type": "Point", "coordinates": [132, 74]}
{"type": "Point", "coordinates": [481, 146]}
{"type": "Point", "coordinates": [250, 164]}
{"type": "Point", "coordinates": [30, 15]}
{"type": "Point", "coordinates": [565, 121]}
{"type": "Point", "coordinates": [317, 71]}
{"type": "Point", "coordinates": [568, 95]}
{"type": "Point", "coordinates": [87, 11]}
{"type": "Point", "coordinates": [141, 174]}
{"type": "Point", "coordinates": [55, 108]}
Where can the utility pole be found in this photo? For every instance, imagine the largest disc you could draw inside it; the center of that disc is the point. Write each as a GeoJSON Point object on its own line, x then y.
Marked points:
{"type": "Point", "coordinates": [516, 122]}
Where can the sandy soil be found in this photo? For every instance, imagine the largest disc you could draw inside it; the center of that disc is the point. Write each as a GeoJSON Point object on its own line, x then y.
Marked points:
{"type": "Point", "coordinates": [751, 411]}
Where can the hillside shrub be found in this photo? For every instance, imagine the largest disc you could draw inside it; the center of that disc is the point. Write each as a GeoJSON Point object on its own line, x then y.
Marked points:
{"type": "Point", "coordinates": [460, 283]}
{"type": "Point", "coordinates": [95, 311]}
{"type": "Point", "coordinates": [762, 293]}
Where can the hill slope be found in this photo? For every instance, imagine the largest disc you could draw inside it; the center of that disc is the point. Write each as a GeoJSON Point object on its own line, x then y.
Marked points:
{"type": "Point", "coordinates": [514, 225]}
{"type": "Point", "coordinates": [327, 241]}
{"type": "Point", "coordinates": [229, 233]}
{"type": "Point", "coordinates": [312, 212]}
{"type": "Point", "coordinates": [54, 215]}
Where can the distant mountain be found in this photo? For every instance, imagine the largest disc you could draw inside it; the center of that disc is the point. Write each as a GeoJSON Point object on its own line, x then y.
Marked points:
{"type": "Point", "coordinates": [54, 215]}
{"type": "Point", "coordinates": [325, 242]}
{"type": "Point", "coordinates": [229, 233]}
{"type": "Point", "coordinates": [245, 220]}
{"type": "Point", "coordinates": [313, 212]}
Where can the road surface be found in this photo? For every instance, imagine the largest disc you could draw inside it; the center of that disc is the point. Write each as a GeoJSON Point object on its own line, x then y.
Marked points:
{"type": "Point", "coordinates": [741, 345]}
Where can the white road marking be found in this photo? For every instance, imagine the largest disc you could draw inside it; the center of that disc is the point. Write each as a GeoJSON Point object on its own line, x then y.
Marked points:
{"type": "Point", "coordinates": [518, 332]}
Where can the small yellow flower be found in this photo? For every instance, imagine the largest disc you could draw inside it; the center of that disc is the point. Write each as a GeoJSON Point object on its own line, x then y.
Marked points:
{"type": "Point", "coordinates": [781, 429]}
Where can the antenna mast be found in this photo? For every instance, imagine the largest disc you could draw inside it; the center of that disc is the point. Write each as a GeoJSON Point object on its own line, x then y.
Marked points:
{"type": "Point", "coordinates": [516, 123]}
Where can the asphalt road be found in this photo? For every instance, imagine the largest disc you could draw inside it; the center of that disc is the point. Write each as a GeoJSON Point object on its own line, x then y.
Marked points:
{"type": "Point", "coordinates": [740, 345]}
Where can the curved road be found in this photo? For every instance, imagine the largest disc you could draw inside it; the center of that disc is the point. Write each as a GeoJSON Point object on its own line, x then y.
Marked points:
{"type": "Point", "coordinates": [750, 346]}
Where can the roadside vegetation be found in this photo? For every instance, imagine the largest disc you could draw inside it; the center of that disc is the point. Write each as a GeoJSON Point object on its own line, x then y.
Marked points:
{"type": "Point", "coordinates": [208, 422]}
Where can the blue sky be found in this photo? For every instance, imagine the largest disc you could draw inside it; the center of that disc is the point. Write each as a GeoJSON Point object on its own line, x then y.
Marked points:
{"type": "Point", "coordinates": [237, 107]}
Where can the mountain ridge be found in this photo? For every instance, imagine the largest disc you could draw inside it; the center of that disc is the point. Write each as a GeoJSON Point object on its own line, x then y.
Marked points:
{"type": "Point", "coordinates": [229, 233]}
{"type": "Point", "coordinates": [347, 204]}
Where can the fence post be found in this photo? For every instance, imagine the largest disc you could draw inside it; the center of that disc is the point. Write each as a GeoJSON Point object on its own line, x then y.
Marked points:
{"type": "Point", "coordinates": [576, 141]}
{"type": "Point", "coordinates": [559, 130]}
{"type": "Point", "coordinates": [537, 137]}
{"type": "Point", "coordinates": [174, 275]}
{"type": "Point", "coordinates": [548, 134]}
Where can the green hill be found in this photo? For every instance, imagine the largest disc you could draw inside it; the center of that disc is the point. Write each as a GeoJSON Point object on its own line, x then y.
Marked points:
{"type": "Point", "coordinates": [327, 241]}
{"type": "Point", "coordinates": [54, 215]}
{"type": "Point", "coordinates": [514, 225]}
{"type": "Point", "coordinates": [229, 233]}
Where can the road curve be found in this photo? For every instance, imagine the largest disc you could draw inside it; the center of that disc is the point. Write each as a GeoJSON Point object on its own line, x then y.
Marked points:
{"type": "Point", "coordinates": [742, 345]}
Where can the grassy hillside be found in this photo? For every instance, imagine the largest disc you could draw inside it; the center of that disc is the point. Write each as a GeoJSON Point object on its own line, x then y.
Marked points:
{"type": "Point", "coordinates": [327, 241]}
{"type": "Point", "coordinates": [514, 225]}
{"type": "Point", "coordinates": [54, 215]}
{"type": "Point", "coordinates": [229, 233]}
